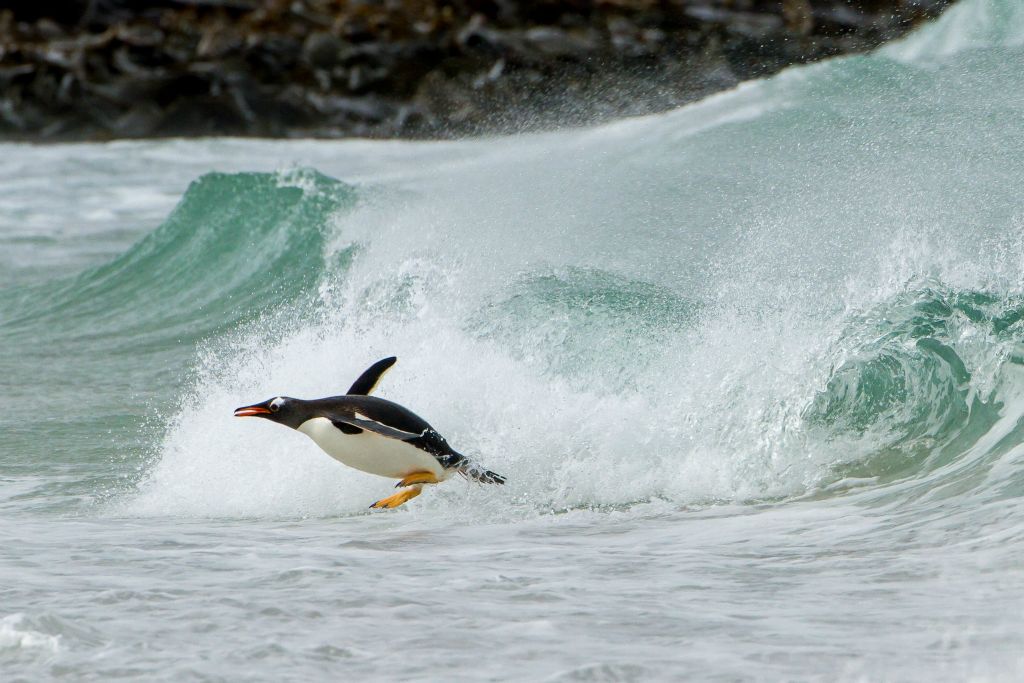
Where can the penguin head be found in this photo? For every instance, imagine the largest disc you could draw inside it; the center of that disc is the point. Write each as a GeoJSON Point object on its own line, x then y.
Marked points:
{"type": "Point", "coordinates": [290, 412]}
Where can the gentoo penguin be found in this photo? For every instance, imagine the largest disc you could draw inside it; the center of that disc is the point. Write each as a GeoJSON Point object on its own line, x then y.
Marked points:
{"type": "Point", "coordinates": [374, 435]}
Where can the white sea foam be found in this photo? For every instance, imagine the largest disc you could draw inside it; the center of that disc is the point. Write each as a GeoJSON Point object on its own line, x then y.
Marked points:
{"type": "Point", "coordinates": [14, 636]}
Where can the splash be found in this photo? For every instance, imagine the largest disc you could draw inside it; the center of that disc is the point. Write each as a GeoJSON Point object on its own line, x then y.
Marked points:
{"type": "Point", "coordinates": [806, 285]}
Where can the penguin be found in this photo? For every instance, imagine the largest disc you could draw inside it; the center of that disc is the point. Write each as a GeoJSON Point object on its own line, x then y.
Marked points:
{"type": "Point", "coordinates": [374, 435]}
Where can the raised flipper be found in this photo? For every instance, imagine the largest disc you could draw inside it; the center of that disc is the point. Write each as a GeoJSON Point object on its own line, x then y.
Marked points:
{"type": "Point", "coordinates": [367, 381]}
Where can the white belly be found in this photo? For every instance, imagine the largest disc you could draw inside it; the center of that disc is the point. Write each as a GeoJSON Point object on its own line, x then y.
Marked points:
{"type": "Point", "coordinates": [370, 452]}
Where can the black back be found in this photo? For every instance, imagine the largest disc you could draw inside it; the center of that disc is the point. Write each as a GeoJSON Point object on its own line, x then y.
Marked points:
{"type": "Point", "coordinates": [377, 409]}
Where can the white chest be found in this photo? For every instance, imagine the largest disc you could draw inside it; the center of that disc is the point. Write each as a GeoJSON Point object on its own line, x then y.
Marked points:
{"type": "Point", "coordinates": [370, 452]}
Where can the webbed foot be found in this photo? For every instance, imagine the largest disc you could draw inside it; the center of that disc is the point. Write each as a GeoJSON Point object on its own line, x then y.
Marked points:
{"type": "Point", "coordinates": [398, 499]}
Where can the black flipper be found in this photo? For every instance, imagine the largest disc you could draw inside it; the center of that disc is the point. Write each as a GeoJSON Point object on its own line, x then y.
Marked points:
{"type": "Point", "coordinates": [375, 427]}
{"type": "Point", "coordinates": [346, 427]}
{"type": "Point", "coordinates": [367, 381]}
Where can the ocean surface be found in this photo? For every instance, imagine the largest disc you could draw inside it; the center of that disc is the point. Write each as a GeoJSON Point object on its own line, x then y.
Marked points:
{"type": "Point", "coordinates": [754, 370]}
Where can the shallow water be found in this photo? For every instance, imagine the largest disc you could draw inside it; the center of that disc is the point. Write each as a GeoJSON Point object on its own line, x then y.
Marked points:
{"type": "Point", "coordinates": [753, 369]}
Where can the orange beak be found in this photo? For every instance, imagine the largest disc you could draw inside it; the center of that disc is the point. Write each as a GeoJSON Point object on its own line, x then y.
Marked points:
{"type": "Point", "coordinates": [249, 411]}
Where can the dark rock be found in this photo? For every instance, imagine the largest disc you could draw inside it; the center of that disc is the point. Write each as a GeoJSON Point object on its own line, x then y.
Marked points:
{"type": "Point", "coordinates": [140, 35]}
{"type": "Point", "coordinates": [109, 68]}
{"type": "Point", "coordinates": [48, 29]}
{"type": "Point", "coordinates": [631, 41]}
{"type": "Point", "coordinates": [798, 16]}
{"type": "Point", "coordinates": [362, 78]}
{"type": "Point", "coordinates": [123, 61]}
{"type": "Point", "coordinates": [11, 73]}
{"type": "Point", "coordinates": [476, 36]}
{"type": "Point", "coordinates": [61, 56]}
{"type": "Point", "coordinates": [216, 42]}
{"type": "Point", "coordinates": [141, 121]}
{"type": "Point", "coordinates": [14, 116]}
{"type": "Point", "coordinates": [749, 24]}
{"type": "Point", "coordinates": [556, 42]}
{"type": "Point", "coordinates": [489, 76]}
{"type": "Point", "coordinates": [202, 115]}
{"type": "Point", "coordinates": [322, 50]}
{"type": "Point", "coordinates": [842, 16]}
{"type": "Point", "coordinates": [356, 29]}
{"type": "Point", "coordinates": [273, 59]}
{"type": "Point", "coordinates": [447, 100]}
{"type": "Point", "coordinates": [411, 119]}
{"type": "Point", "coordinates": [362, 108]}
{"type": "Point", "coordinates": [136, 88]}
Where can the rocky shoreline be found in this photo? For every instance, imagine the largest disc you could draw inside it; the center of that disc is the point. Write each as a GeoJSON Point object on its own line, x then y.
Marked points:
{"type": "Point", "coordinates": [104, 69]}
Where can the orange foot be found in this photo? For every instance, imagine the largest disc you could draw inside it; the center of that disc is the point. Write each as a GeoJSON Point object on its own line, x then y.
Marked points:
{"type": "Point", "coordinates": [397, 499]}
{"type": "Point", "coordinates": [418, 478]}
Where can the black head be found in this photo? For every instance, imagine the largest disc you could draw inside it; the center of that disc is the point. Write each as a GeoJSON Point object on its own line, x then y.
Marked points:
{"type": "Point", "coordinates": [290, 412]}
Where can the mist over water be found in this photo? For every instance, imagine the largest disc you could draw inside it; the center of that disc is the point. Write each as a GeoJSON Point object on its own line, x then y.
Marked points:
{"type": "Point", "coordinates": [753, 369]}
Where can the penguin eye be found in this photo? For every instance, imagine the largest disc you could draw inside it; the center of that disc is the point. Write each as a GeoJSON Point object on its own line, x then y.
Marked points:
{"type": "Point", "coordinates": [275, 405]}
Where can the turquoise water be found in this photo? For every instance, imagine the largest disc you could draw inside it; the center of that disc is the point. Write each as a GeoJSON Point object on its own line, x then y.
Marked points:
{"type": "Point", "coordinates": [754, 369]}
